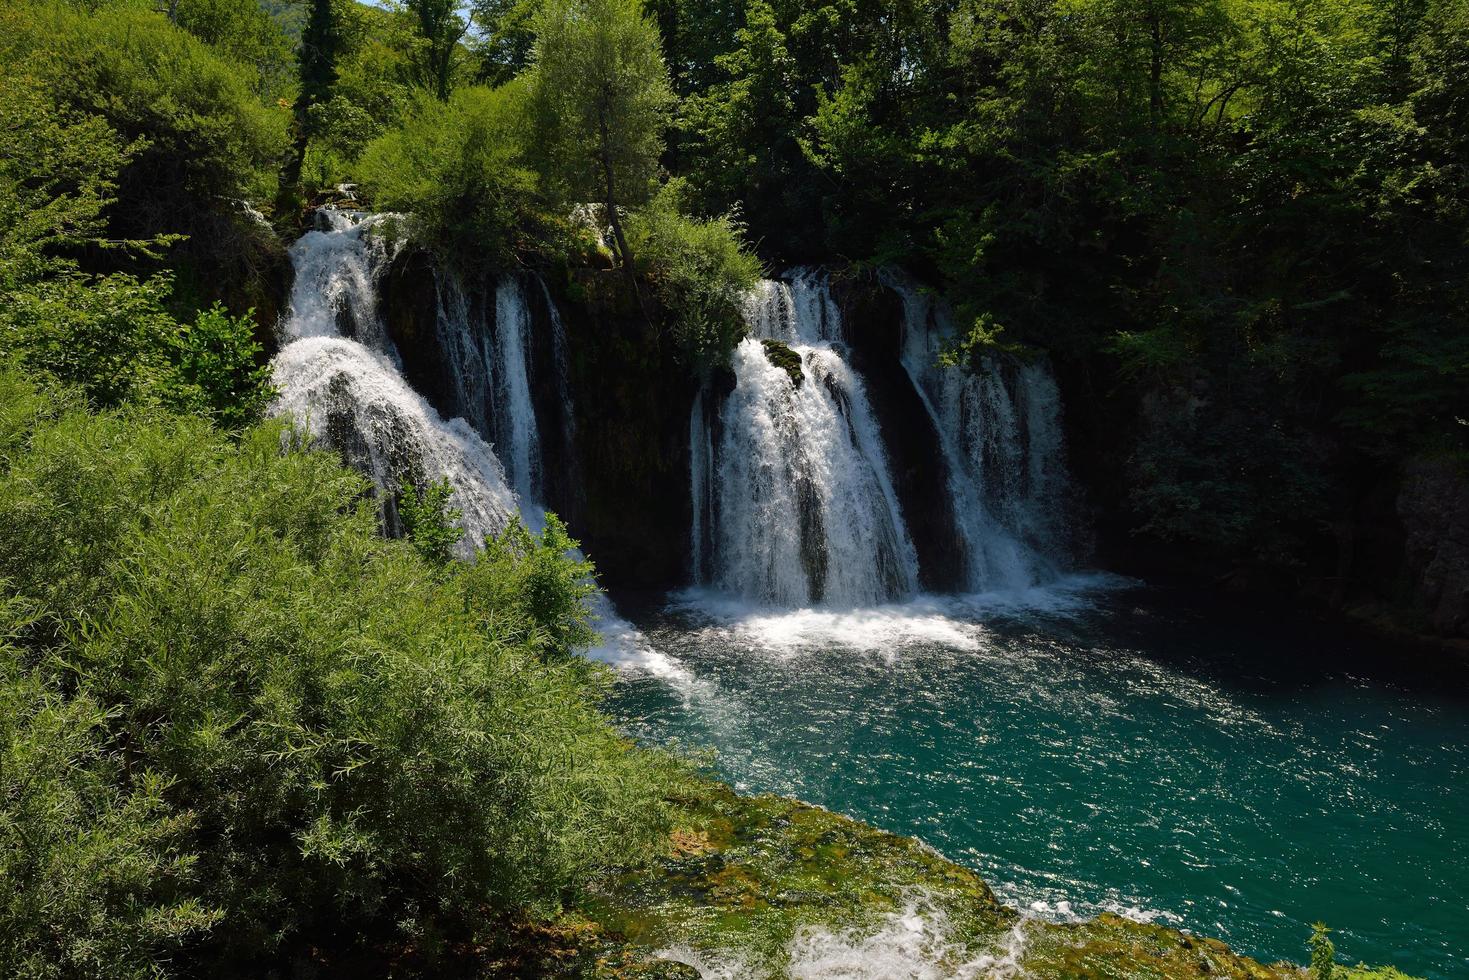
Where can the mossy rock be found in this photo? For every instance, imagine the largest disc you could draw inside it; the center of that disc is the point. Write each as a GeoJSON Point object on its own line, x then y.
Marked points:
{"type": "Point", "coordinates": [745, 877]}
{"type": "Point", "coordinates": [780, 355]}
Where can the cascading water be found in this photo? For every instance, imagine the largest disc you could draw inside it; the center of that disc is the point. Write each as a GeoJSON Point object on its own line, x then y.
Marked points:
{"type": "Point", "coordinates": [335, 289]}
{"type": "Point", "coordinates": [350, 394]}
{"type": "Point", "coordinates": [799, 502]}
{"type": "Point", "coordinates": [1000, 431]}
{"type": "Point", "coordinates": [490, 361]}
{"type": "Point", "coordinates": [354, 400]}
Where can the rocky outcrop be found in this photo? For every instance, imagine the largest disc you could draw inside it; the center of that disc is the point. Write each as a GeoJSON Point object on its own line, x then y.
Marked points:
{"type": "Point", "coordinates": [1433, 506]}
{"type": "Point", "coordinates": [632, 403]}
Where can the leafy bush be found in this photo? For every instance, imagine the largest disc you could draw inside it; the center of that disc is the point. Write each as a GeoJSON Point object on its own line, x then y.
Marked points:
{"type": "Point", "coordinates": [219, 370]}
{"type": "Point", "coordinates": [700, 269]}
{"type": "Point", "coordinates": [432, 524]}
{"type": "Point", "coordinates": [110, 335]}
{"type": "Point", "coordinates": [243, 721]}
{"type": "Point", "coordinates": [244, 33]}
{"type": "Point", "coordinates": [202, 132]}
{"type": "Point", "coordinates": [539, 581]}
{"type": "Point", "coordinates": [456, 166]}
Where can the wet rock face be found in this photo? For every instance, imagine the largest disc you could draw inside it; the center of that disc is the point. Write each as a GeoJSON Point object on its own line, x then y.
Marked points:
{"type": "Point", "coordinates": [1433, 506]}
{"type": "Point", "coordinates": [632, 402]}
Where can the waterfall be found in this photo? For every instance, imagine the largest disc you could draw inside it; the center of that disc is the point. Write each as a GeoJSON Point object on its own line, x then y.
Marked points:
{"type": "Point", "coordinates": [339, 376]}
{"type": "Point", "coordinates": [354, 400]}
{"type": "Point", "coordinates": [335, 289]}
{"type": "Point", "coordinates": [800, 505]}
{"type": "Point", "coordinates": [490, 363]}
{"type": "Point", "coordinates": [1000, 430]}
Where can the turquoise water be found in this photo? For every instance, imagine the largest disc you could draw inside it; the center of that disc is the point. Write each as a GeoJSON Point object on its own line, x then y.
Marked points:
{"type": "Point", "coordinates": [1235, 773]}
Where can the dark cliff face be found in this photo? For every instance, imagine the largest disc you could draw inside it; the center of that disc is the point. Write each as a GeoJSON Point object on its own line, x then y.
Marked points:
{"type": "Point", "coordinates": [632, 400]}
{"type": "Point", "coordinates": [1390, 549]}
{"type": "Point", "coordinates": [1433, 506]}
{"type": "Point", "coordinates": [619, 473]}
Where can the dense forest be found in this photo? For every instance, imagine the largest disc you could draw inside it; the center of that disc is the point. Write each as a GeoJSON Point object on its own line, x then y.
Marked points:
{"type": "Point", "coordinates": [242, 731]}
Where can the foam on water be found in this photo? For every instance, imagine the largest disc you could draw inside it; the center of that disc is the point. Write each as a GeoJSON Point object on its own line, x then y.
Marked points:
{"type": "Point", "coordinates": [951, 621]}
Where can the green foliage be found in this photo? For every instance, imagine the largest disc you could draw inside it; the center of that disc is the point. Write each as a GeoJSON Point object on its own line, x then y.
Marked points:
{"type": "Point", "coordinates": [1323, 954]}
{"type": "Point", "coordinates": [95, 865]}
{"type": "Point", "coordinates": [238, 722]}
{"type": "Point", "coordinates": [457, 168]}
{"type": "Point", "coordinates": [699, 269]}
{"type": "Point", "coordinates": [535, 584]}
{"type": "Point", "coordinates": [58, 171]}
{"type": "Point", "coordinates": [506, 37]}
{"type": "Point", "coordinates": [600, 100]}
{"type": "Point", "coordinates": [219, 370]}
{"type": "Point", "coordinates": [108, 335]}
{"type": "Point", "coordinates": [431, 522]}
{"type": "Point", "coordinates": [372, 89]}
{"type": "Point", "coordinates": [245, 34]}
{"type": "Point", "coordinates": [201, 133]}
{"type": "Point", "coordinates": [437, 42]}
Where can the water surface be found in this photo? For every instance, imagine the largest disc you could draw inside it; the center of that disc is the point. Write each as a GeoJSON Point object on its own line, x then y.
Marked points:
{"type": "Point", "coordinates": [1239, 774]}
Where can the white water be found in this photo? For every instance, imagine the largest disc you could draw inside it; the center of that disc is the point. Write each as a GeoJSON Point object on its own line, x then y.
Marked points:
{"type": "Point", "coordinates": [1000, 431]}
{"type": "Point", "coordinates": [354, 400]}
{"type": "Point", "coordinates": [913, 944]}
{"type": "Point", "coordinates": [800, 505]}
{"type": "Point", "coordinates": [335, 290]}
{"type": "Point", "coordinates": [350, 393]}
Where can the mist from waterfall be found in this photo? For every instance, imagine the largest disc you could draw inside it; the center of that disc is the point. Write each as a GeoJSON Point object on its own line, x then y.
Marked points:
{"type": "Point", "coordinates": [800, 504]}
{"type": "Point", "coordinates": [1000, 430]}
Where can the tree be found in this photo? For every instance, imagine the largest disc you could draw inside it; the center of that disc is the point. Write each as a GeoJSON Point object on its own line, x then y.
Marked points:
{"type": "Point", "coordinates": [320, 44]}
{"type": "Point", "coordinates": [507, 37]}
{"type": "Point", "coordinates": [440, 29]}
{"type": "Point", "coordinates": [601, 98]}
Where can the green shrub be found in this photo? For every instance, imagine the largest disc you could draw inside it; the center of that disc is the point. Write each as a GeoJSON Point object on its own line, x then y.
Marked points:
{"type": "Point", "coordinates": [245, 34]}
{"type": "Point", "coordinates": [108, 335]}
{"type": "Point", "coordinates": [219, 369]}
{"type": "Point", "coordinates": [203, 137]}
{"type": "Point", "coordinates": [278, 726]}
{"type": "Point", "coordinates": [539, 582]}
{"type": "Point", "coordinates": [457, 167]}
{"type": "Point", "coordinates": [432, 524]}
{"type": "Point", "coordinates": [700, 269]}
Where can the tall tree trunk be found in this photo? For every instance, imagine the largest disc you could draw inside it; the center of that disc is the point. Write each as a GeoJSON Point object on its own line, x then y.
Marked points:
{"type": "Point", "coordinates": [623, 251]}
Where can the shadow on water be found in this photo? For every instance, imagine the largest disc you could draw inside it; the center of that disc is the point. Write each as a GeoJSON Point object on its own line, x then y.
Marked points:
{"type": "Point", "coordinates": [1253, 645]}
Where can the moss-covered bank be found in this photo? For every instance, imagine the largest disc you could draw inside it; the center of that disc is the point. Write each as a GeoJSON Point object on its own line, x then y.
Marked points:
{"type": "Point", "coordinates": [757, 886]}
